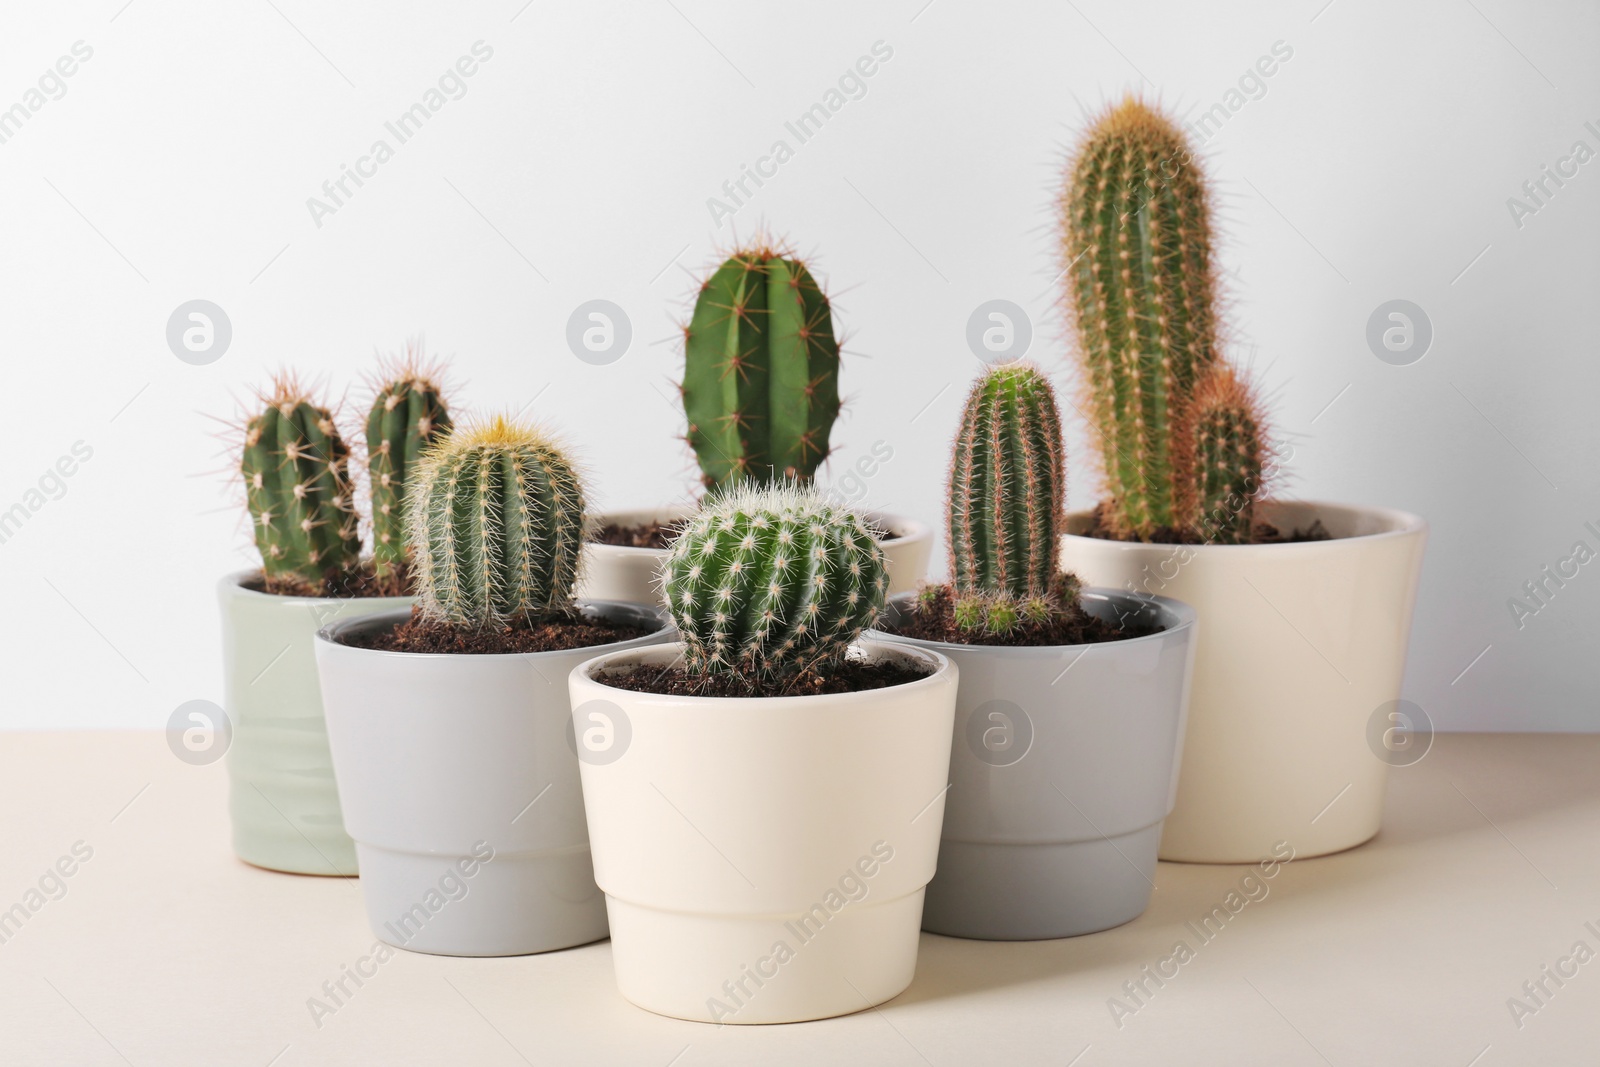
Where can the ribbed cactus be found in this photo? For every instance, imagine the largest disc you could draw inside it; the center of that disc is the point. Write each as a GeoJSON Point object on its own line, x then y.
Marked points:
{"type": "Point", "coordinates": [494, 517]}
{"type": "Point", "coordinates": [296, 471]}
{"type": "Point", "coordinates": [1223, 436]}
{"type": "Point", "coordinates": [770, 580]}
{"type": "Point", "coordinates": [1136, 245]}
{"type": "Point", "coordinates": [761, 374]}
{"type": "Point", "coordinates": [1007, 492]}
{"type": "Point", "coordinates": [407, 416]}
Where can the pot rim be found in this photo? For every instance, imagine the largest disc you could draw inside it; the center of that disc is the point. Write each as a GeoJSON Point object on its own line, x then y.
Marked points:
{"type": "Point", "coordinates": [1184, 615]}
{"type": "Point", "coordinates": [329, 633]}
{"type": "Point", "coordinates": [233, 583]}
{"type": "Point", "coordinates": [1401, 524]}
{"type": "Point", "coordinates": [943, 669]}
{"type": "Point", "coordinates": [905, 527]}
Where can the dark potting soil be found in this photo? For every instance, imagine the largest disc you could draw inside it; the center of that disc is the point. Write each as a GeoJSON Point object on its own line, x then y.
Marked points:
{"type": "Point", "coordinates": [854, 676]}
{"type": "Point", "coordinates": [642, 535]}
{"type": "Point", "coordinates": [558, 634]}
{"type": "Point", "coordinates": [1262, 533]}
{"type": "Point", "coordinates": [361, 582]}
{"type": "Point", "coordinates": [935, 621]}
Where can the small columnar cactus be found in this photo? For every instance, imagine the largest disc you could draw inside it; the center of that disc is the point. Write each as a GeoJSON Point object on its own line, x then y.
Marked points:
{"type": "Point", "coordinates": [296, 472]}
{"type": "Point", "coordinates": [494, 517]}
{"type": "Point", "coordinates": [1136, 247]}
{"type": "Point", "coordinates": [761, 370]}
{"type": "Point", "coordinates": [1223, 435]}
{"type": "Point", "coordinates": [408, 414]}
{"type": "Point", "coordinates": [772, 580]}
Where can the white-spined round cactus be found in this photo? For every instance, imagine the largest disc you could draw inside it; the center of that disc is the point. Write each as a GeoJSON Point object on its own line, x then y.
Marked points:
{"type": "Point", "coordinates": [773, 580]}
{"type": "Point", "coordinates": [494, 516]}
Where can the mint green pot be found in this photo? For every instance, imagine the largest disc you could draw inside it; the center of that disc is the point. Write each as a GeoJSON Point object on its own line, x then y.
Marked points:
{"type": "Point", "coordinates": [281, 797]}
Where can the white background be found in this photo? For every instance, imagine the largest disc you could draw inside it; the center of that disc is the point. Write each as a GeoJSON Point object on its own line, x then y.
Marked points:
{"type": "Point", "coordinates": [1377, 165]}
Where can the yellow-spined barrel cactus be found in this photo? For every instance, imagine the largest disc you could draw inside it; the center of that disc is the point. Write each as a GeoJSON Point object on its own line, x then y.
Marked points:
{"type": "Point", "coordinates": [296, 472]}
{"type": "Point", "coordinates": [1137, 252]}
{"type": "Point", "coordinates": [1007, 491]}
{"type": "Point", "coordinates": [770, 580]}
{"type": "Point", "coordinates": [494, 517]}
{"type": "Point", "coordinates": [407, 416]}
{"type": "Point", "coordinates": [761, 370]}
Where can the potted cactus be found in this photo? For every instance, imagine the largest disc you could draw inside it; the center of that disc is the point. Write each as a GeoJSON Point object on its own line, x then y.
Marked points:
{"type": "Point", "coordinates": [1070, 715]}
{"type": "Point", "coordinates": [764, 834]}
{"type": "Point", "coordinates": [760, 392]}
{"type": "Point", "coordinates": [1305, 607]}
{"type": "Point", "coordinates": [300, 493]}
{"type": "Point", "coordinates": [448, 721]}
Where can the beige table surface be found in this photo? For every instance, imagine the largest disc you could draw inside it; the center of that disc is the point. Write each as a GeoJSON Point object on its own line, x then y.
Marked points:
{"type": "Point", "coordinates": [164, 949]}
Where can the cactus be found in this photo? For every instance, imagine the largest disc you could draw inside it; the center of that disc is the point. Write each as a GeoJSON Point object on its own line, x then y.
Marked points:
{"type": "Point", "coordinates": [494, 519]}
{"type": "Point", "coordinates": [761, 370]}
{"type": "Point", "coordinates": [771, 580]}
{"type": "Point", "coordinates": [296, 471]}
{"type": "Point", "coordinates": [407, 415]}
{"type": "Point", "coordinates": [1222, 434]}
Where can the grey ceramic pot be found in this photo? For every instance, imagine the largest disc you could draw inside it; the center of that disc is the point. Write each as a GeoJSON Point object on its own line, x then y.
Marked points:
{"type": "Point", "coordinates": [1063, 767]}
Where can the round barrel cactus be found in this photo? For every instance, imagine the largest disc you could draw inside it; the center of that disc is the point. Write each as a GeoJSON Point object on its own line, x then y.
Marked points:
{"type": "Point", "coordinates": [494, 518]}
{"type": "Point", "coordinates": [767, 580]}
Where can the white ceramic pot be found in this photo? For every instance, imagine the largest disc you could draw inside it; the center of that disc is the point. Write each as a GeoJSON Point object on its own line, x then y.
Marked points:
{"type": "Point", "coordinates": [1299, 646]}
{"type": "Point", "coordinates": [630, 575]}
{"type": "Point", "coordinates": [764, 860]}
{"type": "Point", "coordinates": [460, 787]}
{"type": "Point", "coordinates": [281, 795]}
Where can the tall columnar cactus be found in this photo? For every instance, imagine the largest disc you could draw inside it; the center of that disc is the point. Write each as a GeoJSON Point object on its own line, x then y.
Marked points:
{"type": "Point", "coordinates": [1136, 247]}
{"type": "Point", "coordinates": [296, 471]}
{"type": "Point", "coordinates": [494, 517]}
{"type": "Point", "coordinates": [761, 374]}
{"type": "Point", "coordinates": [770, 580]}
{"type": "Point", "coordinates": [1007, 492]}
{"type": "Point", "coordinates": [1222, 433]}
{"type": "Point", "coordinates": [407, 416]}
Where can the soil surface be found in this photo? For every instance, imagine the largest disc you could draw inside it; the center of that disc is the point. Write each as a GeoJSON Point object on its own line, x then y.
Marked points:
{"type": "Point", "coordinates": [854, 676]}
{"type": "Point", "coordinates": [935, 621]}
{"type": "Point", "coordinates": [644, 535]}
{"type": "Point", "coordinates": [558, 634]}
{"type": "Point", "coordinates": [361, 582]}
{"type": "Point", "coordinates": [1263, 533]}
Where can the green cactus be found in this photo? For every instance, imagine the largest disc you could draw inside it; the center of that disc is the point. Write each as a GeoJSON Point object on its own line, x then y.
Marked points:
{"type": "Point", "coordinates": [771, 580]}
{"type": "Point", "coordinates": [761, 370]}
{"type": "Point", "coordinates": [495, 523]}
{"type": "Point", "coordinates": [1223, 436]}
{"type": "Point", "coordinates": [296, 471]}
{"type": "Point", "coordinates": [408, 414]}
{"type": "Point", "coordinates": [1007, 491]}
{"type": "Point", "coordinates": [1136, 246]}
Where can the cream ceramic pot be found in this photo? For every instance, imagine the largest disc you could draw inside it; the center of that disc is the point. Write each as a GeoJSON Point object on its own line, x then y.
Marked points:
{"type": "Point", "coordinates": [764, 860]}
{"type": "Point", "coordinates": [1299, 646]}
{"type": "Point", "coordinates": [281, 795]}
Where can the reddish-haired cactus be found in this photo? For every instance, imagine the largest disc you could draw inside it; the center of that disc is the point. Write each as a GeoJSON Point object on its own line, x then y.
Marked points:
{"type": "Point", "coordinates": [408, 415]}
{"type": "Point", "coordinates": [1222, 436]}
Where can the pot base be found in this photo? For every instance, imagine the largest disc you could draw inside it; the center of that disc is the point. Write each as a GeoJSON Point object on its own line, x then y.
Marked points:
{"type": "Point", "coordinates": [731, 969]}
{"type": "Point", "coordinates": [1049, 890]}
{"type": "Point", "coordinates": [515, 904]}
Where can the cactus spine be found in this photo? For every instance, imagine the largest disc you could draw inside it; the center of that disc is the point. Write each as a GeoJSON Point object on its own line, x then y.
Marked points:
{"type": "Point", "coordinates": [761, 374]}
{"type": "Point", "coordinates": [1223, 435]}
{"type": "Point", "coordinates": [296, 471]}
{"type": "Point", "coordinates": [1007, 493]}
{"type": "Point", "coordinates": [1136, 244]}
{"type": "Point", "coordinates": [772, 580]}
{"type": "Point", "coordinates": [407, 416]}
{"type": "Point", "coordinates": [495, 523]}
